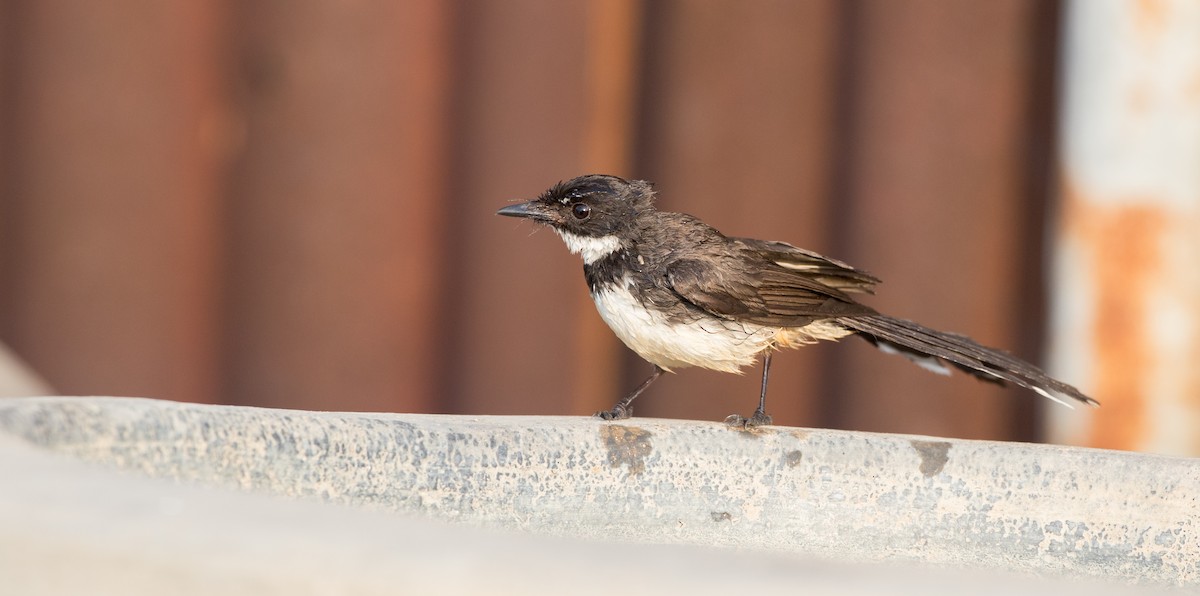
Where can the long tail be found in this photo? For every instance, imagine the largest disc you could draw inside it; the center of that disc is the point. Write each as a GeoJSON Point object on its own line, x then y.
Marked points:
{"type": "Point", "coordinates": [930, 349]}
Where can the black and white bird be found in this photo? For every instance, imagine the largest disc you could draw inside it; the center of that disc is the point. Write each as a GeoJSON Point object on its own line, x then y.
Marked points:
{"type": "Point", "coordinates": [680, 294]}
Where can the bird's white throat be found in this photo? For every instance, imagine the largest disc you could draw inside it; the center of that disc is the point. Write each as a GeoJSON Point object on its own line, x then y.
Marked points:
{"type": "Point", "coordinates": [590, 248]}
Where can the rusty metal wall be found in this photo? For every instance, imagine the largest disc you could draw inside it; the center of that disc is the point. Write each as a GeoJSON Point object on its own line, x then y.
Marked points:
{"type": "Point", "coordinates": [334, 208]}
{"type": "Point", "coordinates": [745, 139]}
{"type": "Point", "coordinates": [112, 194]}
{"type": "Point", "coordinates": [293, 204]}
{"type": "Point", "coordinates": [943, 181]}
{"type": "Point", "coordinates": [1127, 272]}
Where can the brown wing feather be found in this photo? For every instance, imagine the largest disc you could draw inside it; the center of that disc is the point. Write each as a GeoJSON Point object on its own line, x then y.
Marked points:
{"type": "Point", "coordinates": [772, 295]}
{"type": "Point", "coordinates": [830, 272]}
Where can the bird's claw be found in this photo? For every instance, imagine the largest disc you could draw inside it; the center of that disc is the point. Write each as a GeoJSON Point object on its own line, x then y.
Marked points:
{"type": "Point", "coordinates": [759, 418]}
{"type": "Point", "coordinates": [618, 412]}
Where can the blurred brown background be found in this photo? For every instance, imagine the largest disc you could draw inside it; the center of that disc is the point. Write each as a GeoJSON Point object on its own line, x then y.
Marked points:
{"type": "Point", "coordinates": [291, 204]}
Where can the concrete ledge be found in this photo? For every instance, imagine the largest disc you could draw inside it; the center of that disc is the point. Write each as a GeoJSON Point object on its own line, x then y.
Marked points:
{"type": "Point", "coordinates": [855, 497]}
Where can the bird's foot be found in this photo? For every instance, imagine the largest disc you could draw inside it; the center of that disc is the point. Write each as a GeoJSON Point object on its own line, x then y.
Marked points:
{"type": "Point", "coordinates": [759, 418]}
{"type": "Point", "coordinates": [618, 412]}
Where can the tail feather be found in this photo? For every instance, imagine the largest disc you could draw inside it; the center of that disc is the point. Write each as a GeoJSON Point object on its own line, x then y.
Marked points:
{"type": "Point", "coordinates": [926, 346]}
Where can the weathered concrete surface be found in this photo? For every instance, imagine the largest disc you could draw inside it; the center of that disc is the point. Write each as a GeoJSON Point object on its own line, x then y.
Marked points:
{"type": "Point", "coordinates": [1052, 511]}
{"type": "Point", "coordinates": [70, 528]}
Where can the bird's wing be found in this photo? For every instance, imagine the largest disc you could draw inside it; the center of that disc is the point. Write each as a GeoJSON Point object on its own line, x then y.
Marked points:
{"type": "Point", "coordinates": [830, 272]}
{"type": "Point", "coordinates": [767, 294]}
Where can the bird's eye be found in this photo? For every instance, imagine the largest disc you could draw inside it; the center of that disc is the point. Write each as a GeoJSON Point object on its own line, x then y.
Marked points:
{"type": "Point", "coordinates": [581, 210]}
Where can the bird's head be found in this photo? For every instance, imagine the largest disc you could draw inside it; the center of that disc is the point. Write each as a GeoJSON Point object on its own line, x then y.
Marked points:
{"type": "Point", "coordinates": [596, 215]}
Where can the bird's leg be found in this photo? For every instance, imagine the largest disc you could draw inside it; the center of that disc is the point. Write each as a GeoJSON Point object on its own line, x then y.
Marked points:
{"type": "Point", "coordinates": [623, 410]}
{"type": "Point", "coordinates": [759, 417]}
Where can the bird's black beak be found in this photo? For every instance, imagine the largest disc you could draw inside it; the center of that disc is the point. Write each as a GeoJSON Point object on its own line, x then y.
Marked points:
{"type": "Point", "coordinates": [534, 210]}
{"type": "Point", "coordinates": [518, 210]}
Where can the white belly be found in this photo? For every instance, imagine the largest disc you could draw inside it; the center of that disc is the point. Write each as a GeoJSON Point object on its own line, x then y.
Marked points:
{"type": "Point", "coordinates": [708, 342]}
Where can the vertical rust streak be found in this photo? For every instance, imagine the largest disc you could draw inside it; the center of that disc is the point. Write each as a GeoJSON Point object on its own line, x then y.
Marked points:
{"type": "Point", "coordinates": [1123, 245]}
{"type": "Point", "coordinates": [614, 30]}
{"type": "Point", "coordinates": [1192, 379]}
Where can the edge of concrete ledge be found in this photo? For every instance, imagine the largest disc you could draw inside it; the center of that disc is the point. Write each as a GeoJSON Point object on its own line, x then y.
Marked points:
{"type": "Point", "coordinates": [857, 498]}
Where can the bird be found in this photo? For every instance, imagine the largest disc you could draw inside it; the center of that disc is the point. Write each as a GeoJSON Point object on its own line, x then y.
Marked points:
{"type": "Point", "coordinates": [680, 294]}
